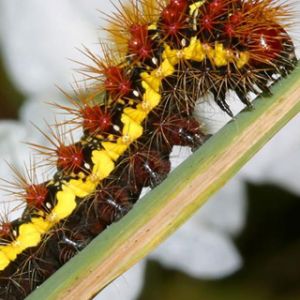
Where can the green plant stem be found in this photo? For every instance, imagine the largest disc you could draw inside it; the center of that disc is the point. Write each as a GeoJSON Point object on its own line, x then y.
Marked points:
{"type": "Point", "coordinates": [165, 208]}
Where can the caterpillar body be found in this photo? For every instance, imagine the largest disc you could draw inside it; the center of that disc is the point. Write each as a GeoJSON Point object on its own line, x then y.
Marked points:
{"type": "Point", "coordinates": [170, 53]}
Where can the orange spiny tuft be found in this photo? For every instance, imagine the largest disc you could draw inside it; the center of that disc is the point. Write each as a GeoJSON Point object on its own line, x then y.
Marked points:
{"type": "Point", "coordinates": [25, 188]}
{"type": "Point", "coordinates": [140, 43]}
{"type": "Point", "coordinates": [90, 114]}
{"type": "Point", "coordinates": [129, 28]}
{"type": "Point", "coordinates": [70, 158]}
{"type": "Point", "coordinates": [95, 120]}
{"type": "Point", "coordinates": [5, 230]}
{"type": "Point", "coordinates": [108, 74]}
{"type": "Point", "coordinates": [174, 17]}
{"type": "Point", "coordinates": [6, 226]}
{"type": "Point", "coordinates": [117, 83]}
{"type": "Point", "coordinates": [36, 195]}
{"type": "Point", "coordinates": [259, 25]}
{"type": "Point", "coordinates": [67, 158]}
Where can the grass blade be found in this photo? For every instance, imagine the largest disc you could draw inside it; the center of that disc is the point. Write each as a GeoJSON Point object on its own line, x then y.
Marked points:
{"type": "Point", "coordinates": [176, 199]}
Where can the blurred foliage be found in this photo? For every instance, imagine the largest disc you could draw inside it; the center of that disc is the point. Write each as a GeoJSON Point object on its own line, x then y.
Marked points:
{"type": "Point", "coordinates": [10, 98]}
{"type": "Point", "coordinates": [270, 246]}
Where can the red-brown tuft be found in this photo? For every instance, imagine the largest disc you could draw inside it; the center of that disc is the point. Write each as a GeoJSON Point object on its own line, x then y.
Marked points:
{"type": "Point", "coordinates": [70, 158]}
{"type": "Point", "coordinates": [174, 18]}
{"type": "Point", "coordinates": [95, 120]}
{"type": "Point", "coordinates": [36, 195]}
{"type": "Point", "coordinates": [116, 83]}
{"type": "Point", "coordinates": [5, 229]}
{"type": "Point", "coordinates": [266, 43]}
{"type": "Point", "coordinates": [140, 43]}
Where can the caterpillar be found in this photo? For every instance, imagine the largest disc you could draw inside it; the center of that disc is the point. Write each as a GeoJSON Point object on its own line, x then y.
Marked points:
{"type": "Point", "coordinates": [139, 103]}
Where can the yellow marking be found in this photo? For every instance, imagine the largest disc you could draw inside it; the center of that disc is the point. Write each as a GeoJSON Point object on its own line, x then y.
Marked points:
{"type": "Point", "coordinates": [243, 59]}
{"type": "Point", "coordinates": [111, 137]}
{"type": "Point", "coordinates": [41, 225]}
{"type": "Point", "coordinates": [79, 187]}
{"type": "Point", "coordinates": [10, 252]}
{"type": "Point", "coordinates": [115, 150]}
{"type": "Point", "coordinates": [194, 51]}
{"type": "Point", "coordinates": [195, 6]}
{"type": "Point", "coordinates": [149, 81]}
{"type": "Point", "coordinates": [171, 55]}
{"type": "Point", "coordinates": [103, 164]}
{"type": "Point", "coordinates": [151, 98]}
{"type": "Point", "coordinates": [65, 205]}
{"type": "Point", "coordinates": [197, 51]}
{"type": "Point", "coordinates": [136, 114]}
{"type": "Point", "coordinates": [152, 26]}
{"type": "Point", "coordinates": [131, 129]}
{"type": "Point", "coordinates": [144, 106]}
{"type": "Point", "coordinates": [4, 261]}
{"type": "Point", "coordinates": [220, 55]}
{"type": "Point", "coordinates": [166, 69]}
{"type": "Point", "coordinates": [30, 234]}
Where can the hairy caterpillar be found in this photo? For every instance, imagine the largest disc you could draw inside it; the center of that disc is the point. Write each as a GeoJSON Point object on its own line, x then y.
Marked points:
{"type": "Point", "coordinates": [172, 52]}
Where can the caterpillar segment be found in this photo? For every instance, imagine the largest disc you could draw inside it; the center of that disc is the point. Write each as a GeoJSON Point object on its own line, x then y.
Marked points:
{"type": "Point", "coordinates": [173, 53]}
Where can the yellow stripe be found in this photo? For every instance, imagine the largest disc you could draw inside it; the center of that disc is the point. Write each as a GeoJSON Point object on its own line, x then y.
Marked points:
{"type": "Point", "coordinates": [30, 234]}
{"type": "Point", "coordinates": [195, 6]}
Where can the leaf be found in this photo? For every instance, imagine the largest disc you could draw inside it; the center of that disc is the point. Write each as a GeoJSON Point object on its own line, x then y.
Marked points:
{"type": "Point", "coordinates": [165, 208]}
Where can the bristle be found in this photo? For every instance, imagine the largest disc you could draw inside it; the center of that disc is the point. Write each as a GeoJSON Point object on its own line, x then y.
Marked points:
{"type": "Point", "coordinates": [36, 195]}
{"type": "Point", "coordinates": [129, 28]}
{"type": "Point", "coordinates": [25, 190]}
{"type": "Point", "coordinates": [174, 20]}
{"type": "Point", "coordinates": [67, 158]}
{"type": "Point", "coordinates": [5, 232]}
{"type": "Point", "coordinates": [95, 120]}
